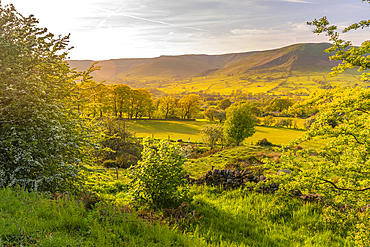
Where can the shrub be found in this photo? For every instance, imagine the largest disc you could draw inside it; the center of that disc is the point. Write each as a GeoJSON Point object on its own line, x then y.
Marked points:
{"type": "Point", "coordinates": [263, 142]}
{"type": "Point", "coordinates": [119, 147]}
{"type": "Point", "coordinates": [157, 179]}
{"type": "Point", "coordinates": [212, 134]}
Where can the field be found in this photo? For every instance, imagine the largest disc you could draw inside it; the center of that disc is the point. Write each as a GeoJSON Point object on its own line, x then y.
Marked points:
{"type": "Point", "coordinates": [300, 83]}
{"type": "Point", "coordinates": [190, 130]}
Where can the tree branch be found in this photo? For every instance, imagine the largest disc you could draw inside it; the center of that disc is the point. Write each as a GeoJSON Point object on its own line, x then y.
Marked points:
{"type": "Point", "coordinates": [338, 188]}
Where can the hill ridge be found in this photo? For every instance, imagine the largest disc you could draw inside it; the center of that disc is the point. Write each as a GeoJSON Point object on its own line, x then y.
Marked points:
{"type": "Point", "coordinates": [296, 56]}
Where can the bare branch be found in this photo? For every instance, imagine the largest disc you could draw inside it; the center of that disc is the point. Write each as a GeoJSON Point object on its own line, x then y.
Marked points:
{"type": "Point", "coordinates": [338, 188]}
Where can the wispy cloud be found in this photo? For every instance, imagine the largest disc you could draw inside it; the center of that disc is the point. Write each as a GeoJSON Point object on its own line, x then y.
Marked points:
{"type": "Point", "coordinates": [111, 13]}
{"type": "Point", "coordinates": [295, 1]}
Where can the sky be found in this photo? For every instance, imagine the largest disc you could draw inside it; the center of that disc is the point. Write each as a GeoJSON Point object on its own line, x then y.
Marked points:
{"type": "Point", "coordinates": [113, 29]}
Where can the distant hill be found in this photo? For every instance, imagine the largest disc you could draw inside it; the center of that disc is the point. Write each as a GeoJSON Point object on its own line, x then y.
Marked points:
{"type": "Point", "coordinates": [294, 57]}
{"type": "Point", "coordinates": [297, 69]}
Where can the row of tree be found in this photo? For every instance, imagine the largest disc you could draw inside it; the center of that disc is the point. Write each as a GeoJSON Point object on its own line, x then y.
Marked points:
{"type": "Point", "coordinates": [94, 99]}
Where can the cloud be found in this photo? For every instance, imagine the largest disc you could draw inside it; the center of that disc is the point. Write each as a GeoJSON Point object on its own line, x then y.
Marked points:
{"type": "Point", "coordinates": [116, 12]}
{"type": "Point", "coordinates": [252, 31]}
{"type": "Point", "coordinates": [295, 1]}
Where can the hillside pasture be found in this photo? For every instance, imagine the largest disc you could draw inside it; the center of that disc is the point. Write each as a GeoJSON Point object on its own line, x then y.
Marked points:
{"type": "Point", "coordinates": [270, 83]}
{"type": "Point", "coordinates": [190, 130]}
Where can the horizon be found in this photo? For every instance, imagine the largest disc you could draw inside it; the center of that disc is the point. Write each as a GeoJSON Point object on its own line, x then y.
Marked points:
{"type": "Point", "coordinates": [112, 29]}
{"type": "Point", "coordinates": [221, 54]}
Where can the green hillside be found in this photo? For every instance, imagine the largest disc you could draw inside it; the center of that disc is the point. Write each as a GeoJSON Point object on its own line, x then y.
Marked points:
{"type": "Point", "coordinates": [297, 69]}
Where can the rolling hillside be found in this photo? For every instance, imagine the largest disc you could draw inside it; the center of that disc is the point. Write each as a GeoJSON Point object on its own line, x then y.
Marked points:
{"type": "Point", "coordinates": [298, 69]}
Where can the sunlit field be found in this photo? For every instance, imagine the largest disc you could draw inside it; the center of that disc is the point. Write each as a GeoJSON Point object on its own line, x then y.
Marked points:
{"type": "Point", "coordinates": [190, 130]}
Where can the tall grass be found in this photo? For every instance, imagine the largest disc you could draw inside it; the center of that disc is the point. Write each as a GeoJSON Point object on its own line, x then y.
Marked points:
{"type": "Point", "coordinates": [230, 218]}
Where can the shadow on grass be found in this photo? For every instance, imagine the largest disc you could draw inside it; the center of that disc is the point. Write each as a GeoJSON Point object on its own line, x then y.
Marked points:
{"type": "Point", "coordinates": [219, 226]}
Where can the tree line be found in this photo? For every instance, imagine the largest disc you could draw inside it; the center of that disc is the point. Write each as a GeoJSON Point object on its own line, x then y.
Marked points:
{"type": "Point", "coordinates": [92, 99]}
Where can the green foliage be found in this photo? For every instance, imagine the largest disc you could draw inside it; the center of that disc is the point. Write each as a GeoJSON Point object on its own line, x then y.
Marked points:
{"type": "Point", "coordinates": [225, 103]}
{"type": "Point", "coordinates": [42, 142]}
{"type": "Point", "coordinates": [340, 170]}
{"type": "Point", "coordinates": [212, 134]}
{"type": "Point", "coordinates": [210, 114]}
{"type": "Point", "coordinates": [280, 104]}
{"type": "Point", "coordinates": [189, 106]}
{"type": "Point", "coordinates": [268, 120]}
{"type": "Point", "coordinates": [167, 106]}
{"type": "Point", "coordinates": [119, 147]}
{"type": "Point", "coordinates": [239, 123]}
{"type": "Point", "coordinates": [308, 122]}
{"type": "Point", "coordinates": [157, 179]}
{"type": "Point", "coordinates": [220, 115]}
{"type": "Point", "coordinates": [285, 122]}
{"type": "Point", "coordinates": [349, 55]}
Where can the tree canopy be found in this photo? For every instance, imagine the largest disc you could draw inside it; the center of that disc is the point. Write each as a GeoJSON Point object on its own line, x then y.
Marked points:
{"type": "Point", "coordinates": [41, 140]}
{"type": "Point", "coordinates": [339, 170]}
{"type": "Point", "coordinates": [239, 123]}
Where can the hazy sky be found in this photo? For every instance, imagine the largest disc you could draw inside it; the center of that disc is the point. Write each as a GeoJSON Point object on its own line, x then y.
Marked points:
{"type": "Point", "coordinates": [149, 28]}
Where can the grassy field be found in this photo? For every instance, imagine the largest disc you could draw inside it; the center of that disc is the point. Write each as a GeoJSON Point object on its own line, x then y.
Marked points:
{"type": "Point", "coordinates": [270, 83]}
{"type": "Point", "coordinates": [190, 130]}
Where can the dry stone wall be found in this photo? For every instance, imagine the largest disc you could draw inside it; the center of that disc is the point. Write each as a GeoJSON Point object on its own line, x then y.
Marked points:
{"type": "Point", "coordinates": [232, 179]}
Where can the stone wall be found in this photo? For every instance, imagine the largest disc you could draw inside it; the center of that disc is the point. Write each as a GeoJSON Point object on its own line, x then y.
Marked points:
{"type": "Point", "coordinates": [232, 179]}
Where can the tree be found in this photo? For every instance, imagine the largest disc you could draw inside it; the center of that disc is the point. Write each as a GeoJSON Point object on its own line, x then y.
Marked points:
{"type": "Point", "coordinates": [349, 55]}
{"type": "Point", "coordinates": [167, 105]}
{"type": "Point", "coordinates": [119, 148]}
{"type": "Point", "coordinates": [189, 106]}
{"type": "Point", "coordinates": [255, 111]}
{"type": "Point", "coordinates": [120, 95]}
{"type": "Point", "coordinates": [268, 120]}
{"type": "Point", "coordinates": [341, 172]}
{"type": "Point", "coordinates": [239, 123]}
{"type": "Point", "coordinates": [220, 115]}
{"type": "Point", "coordinates": [157, 178]}
{"type": "Point", "coordinates": [42, 139]}
{"type": "Point", "coordinates": [210, 114]}
{"type": "Point", "coordinates": [212, 134]}
{"type": "Point", "coordinates": [279, 105]}
{"type": "Point", "coordinates": [225, 103]}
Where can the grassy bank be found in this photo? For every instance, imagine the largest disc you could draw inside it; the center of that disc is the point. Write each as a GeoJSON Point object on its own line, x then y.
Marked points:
{"type": "Point", "coordinates": [230, 218]}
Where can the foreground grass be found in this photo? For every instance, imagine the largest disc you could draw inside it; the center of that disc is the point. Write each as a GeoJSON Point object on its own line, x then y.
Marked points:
{"type": "Point", "coordinates": [30, 219]}
{"type": "Point", "coordinates": [230, 218]}
{"type": "Point", "coordinates": [243, 218]}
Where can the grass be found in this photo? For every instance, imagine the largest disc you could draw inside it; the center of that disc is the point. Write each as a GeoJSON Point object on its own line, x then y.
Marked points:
{"type": "Point", "coordinates": [32, 219]}
{"type": "Point", "coordinates": [197, 167]}
{"type": "Point", "coordinates": [277, 83]}
{"type": "Point", "coordinates": [190, 130]}
{"type": "Point", "coordinates": [242, 218]}
{"type": "Point", "coordinates": [162, 129]}
{"type": "Point", "coordinates": [230, 218]}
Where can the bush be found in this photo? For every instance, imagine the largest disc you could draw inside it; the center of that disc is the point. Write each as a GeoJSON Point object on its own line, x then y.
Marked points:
{"type": "Point", "coordinates": [157, 179]}
{"type": "Point", "coordinates": [263, 142]}
{"type": "Point", "coordinates": [119, 147]}
{"type": "Point", "coordinates": [212, 134]}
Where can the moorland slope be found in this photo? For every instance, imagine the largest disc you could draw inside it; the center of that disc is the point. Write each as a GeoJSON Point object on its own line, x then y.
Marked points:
{"type": "Point", "coordinates": [294, 57]}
